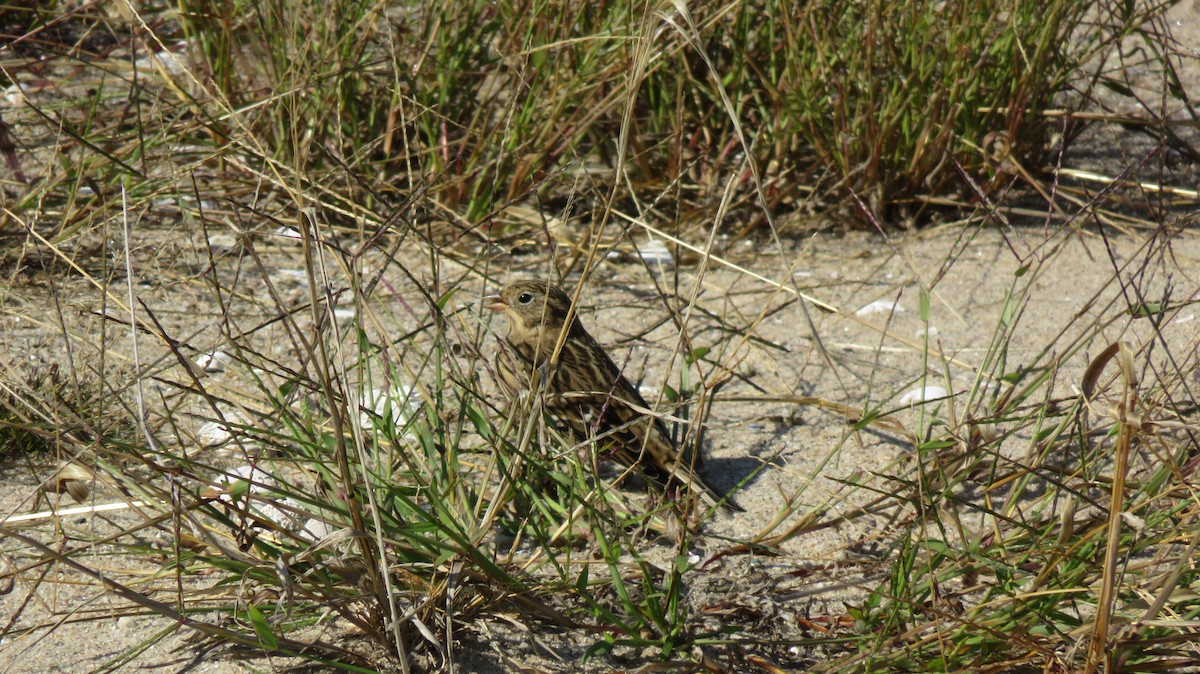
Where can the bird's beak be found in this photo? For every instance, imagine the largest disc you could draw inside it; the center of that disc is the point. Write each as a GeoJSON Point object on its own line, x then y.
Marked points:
{"type": "Point", "coordinates": [495, 303]}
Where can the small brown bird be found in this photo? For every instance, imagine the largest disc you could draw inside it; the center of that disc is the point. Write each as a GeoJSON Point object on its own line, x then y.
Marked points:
{"type": "Point", "coordinates": [588, 396]}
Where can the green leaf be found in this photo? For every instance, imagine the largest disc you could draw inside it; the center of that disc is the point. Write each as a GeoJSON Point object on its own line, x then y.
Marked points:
{"type": "Point", "coordinates": [1044, 433]}
{"type": "Point", "coordinates": [581, 583]}
{"type": "Point", "coordinates": [445, 299]}
{"type": "Point", "coordinates": [1008, 314]}
{"type": "Point", "coordinates": [939, 547]}
{"type": "Point", "coordinates": [238, 488]}
{"type": "Point", "coordinates": [1146, 310]}
{"type": "Point", "coordinates": [601, 648]}
{"type": "Point", "coordinates": [261, 628]}
{"type": "Point", "coordinates": [479, 421]}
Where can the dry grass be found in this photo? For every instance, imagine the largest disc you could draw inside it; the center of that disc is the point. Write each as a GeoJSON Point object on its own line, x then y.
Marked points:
{"type": "Point", "coordinates": [318, 192]}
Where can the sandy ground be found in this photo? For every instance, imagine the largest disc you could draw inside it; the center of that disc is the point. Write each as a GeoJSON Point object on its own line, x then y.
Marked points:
{"type": "Point", "coordinates": [809, 448]}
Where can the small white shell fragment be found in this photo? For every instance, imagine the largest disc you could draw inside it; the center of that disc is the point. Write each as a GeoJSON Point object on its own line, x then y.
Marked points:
{"type": "Point", "coordinates": [170, 62]}
{"type": "Point", "coordinates": [918, 395]}
{"type": "Point", "coordinates": [296, 275]}
{"type": "Point", "coordinates": [13, 95]}
{"type": "Point", "coordinates": [880, 307]}
{"type": "Point", "coordinates": [403, 402]}
{"type": "Point", "coordinates": [214, 362]}
{"type": "Point", "coordinates": [213, 434]}
{"type": "Point", "coordinates": [263, 501]}
{"type": "Point", "coordinates": [268, 511]}
{"type": "Point", "coordinates": [316, 529]}
{"type": "Point", "coordinates": [220, 242]}
{"type": "Point", "coordinates": [655, 252]}
{"type": "Point", "coordinates": [252, 473]}
{"type": "Point", "coordinates": [649, 392]}
{"type": "Point", "coordinates": [1133, 521]}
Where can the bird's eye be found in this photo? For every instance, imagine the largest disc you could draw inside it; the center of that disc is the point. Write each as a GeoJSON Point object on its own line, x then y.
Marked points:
{"type": "Point", "coordinates": [525, 298]}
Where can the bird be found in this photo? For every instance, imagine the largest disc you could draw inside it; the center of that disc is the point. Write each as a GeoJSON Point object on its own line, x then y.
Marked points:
{"type": "Point", "coordinates": [587, 396]}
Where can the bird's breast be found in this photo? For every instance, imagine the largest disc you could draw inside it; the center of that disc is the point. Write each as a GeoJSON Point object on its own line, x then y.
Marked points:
{"type": "Point", "coordinates": [520, 367]}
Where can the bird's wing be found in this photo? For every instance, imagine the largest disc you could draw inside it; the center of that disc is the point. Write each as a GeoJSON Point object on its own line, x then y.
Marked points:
{"type": "Point", "coordinates": [589, 399]}
{"type": "Point", "coordinates": [599, 402]}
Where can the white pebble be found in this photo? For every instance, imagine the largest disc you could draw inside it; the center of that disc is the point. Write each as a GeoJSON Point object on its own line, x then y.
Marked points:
{"type": "Point", "coordinates": [214, 362]}
{"type": "Point", "coordinates": [297, 275]}
{"type": "Point", "coordinates": [14, 96]}
{"type": "Point", "coordinates": [922, 394]}
{"type": "Point", "coordinates": [221, 242]}
{"type": "Point", "coordinates": [252, 473]}
{"type": "Point", "coordinates": [170, 62]}
{"type": "Point", "coordinates": [880, 306]}
{"type": "Point", "coordinates": [212, 434]}
{"type": "Point", "coordinates": [271, 513]}
{"type": "Point", "coordinates": [316, 529]}
{"type": "Point", "coordinates": [655, 252]}
{"type": "Point", "coordinates": [402, 402]}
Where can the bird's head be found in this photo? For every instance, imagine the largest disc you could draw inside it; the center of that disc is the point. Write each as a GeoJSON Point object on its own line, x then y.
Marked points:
{"type": "Point", "coordinates": [535, 311]}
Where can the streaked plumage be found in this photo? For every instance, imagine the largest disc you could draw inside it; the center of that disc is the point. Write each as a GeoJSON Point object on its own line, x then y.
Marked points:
{"type": "Point", "coordinates": [587, 395]}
